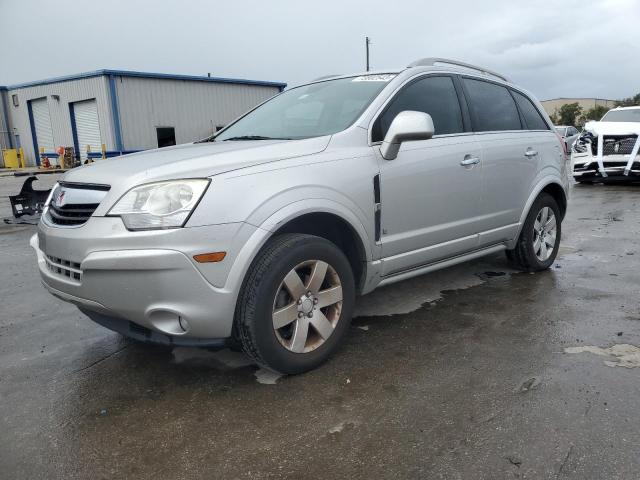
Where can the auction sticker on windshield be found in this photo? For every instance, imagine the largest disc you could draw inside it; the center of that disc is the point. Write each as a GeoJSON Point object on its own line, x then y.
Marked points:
{"type": "Point", "coordinates": [385, 77]}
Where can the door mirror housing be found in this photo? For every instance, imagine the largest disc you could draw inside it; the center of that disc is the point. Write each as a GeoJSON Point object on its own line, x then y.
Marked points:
{"type": "Point", "coordinates": [407, 126]}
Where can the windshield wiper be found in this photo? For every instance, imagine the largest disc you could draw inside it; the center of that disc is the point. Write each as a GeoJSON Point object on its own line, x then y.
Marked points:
{"type": "Point", "coordinates": [253, 137]}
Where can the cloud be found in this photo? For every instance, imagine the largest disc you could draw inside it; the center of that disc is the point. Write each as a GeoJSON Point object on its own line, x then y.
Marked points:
{"type": "Point", "coordinates": [568, 48]}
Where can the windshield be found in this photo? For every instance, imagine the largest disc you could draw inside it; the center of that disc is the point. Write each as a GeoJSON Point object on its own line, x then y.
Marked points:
{"type": "Point", "coordinates": [631, 115]}
{"type": "Point", "coordinates": [312, 110]}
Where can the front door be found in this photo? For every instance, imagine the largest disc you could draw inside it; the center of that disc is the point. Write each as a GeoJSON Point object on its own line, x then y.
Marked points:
{"type": "Point", "coordinates": [430, 194]}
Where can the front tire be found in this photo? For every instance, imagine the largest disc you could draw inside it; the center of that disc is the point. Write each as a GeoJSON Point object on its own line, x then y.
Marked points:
{"type": "Point", "coordinates": [539, 239]}
{"type": "Point", "coordinates": [296, 303]}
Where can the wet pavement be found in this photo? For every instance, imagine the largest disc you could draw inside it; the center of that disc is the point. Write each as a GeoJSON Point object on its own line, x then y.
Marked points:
{"type": "Point", "coordinates": [472, 372]}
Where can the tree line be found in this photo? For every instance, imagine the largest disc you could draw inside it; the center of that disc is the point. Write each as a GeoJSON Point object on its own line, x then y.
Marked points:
{"type": "Point", "coordinates": [574, 114]}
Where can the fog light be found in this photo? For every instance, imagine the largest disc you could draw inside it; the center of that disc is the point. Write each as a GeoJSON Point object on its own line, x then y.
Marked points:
{"type": "Point", "coordinates": [168, 322]}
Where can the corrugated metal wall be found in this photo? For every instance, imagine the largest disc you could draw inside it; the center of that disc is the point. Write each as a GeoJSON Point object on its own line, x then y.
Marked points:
{"type": "Point", "coordinates": [4, 128]}
{"type": "Point", "coordinates": [87, 126]}
{"type": "Point", "coordinates": [193, 108]}
{"type": "Point", "coordinates": [69, 91]}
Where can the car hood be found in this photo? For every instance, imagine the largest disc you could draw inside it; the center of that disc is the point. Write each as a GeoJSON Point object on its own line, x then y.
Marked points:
{"type": "Point", "coordinates": [190, 161]}
{"type": "Point", "coordinates": [613, 128]}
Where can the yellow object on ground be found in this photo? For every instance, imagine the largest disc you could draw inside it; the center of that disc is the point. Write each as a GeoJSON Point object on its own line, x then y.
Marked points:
{"type": "Point", "coordinates": [10, 158]}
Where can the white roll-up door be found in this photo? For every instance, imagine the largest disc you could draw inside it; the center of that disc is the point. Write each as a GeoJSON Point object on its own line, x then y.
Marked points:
{"type": "Point", "coordinates": [87, 126]}
{"type": "Point", "coordinates": [42, 125]}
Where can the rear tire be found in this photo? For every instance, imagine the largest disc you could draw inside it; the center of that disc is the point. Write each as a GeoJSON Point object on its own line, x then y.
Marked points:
{"type": "Point", "coordinates": [539, 240]}
{"type": "Point", "coordinates": [296, 303]}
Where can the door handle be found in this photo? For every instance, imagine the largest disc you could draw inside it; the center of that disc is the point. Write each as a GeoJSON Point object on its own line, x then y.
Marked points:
{"type": "Point", "coordinates": [469, 160]}
{"type": "Point", "coordinates": [530, 153]}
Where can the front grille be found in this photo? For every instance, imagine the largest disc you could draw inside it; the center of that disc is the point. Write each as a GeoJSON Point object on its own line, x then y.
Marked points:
{"type": "Point", "coordinates": [615, 145]}
{"type": "Point", "coordinates": [71, 214]}
{"type": "Point", "coordinates": [72, 204]}
{"type": "Point", "coordinates": [64, 268]}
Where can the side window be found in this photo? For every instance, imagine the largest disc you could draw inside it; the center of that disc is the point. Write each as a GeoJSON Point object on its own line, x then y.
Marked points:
{"type": "Point", "coordinates": [573, 131]}
{"type": "Point", "coordinates": [492, 107]}
{"type": "Point", "coordinates": [433, 95]}
{"type": "Point", "coordinates": [531, 115]}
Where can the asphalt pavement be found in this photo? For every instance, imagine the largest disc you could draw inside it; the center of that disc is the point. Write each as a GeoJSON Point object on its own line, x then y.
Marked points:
{"type": "Point", "coordinates": [474, 372]}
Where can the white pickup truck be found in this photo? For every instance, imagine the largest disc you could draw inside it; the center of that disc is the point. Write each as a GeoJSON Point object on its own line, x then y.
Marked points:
{"type": "Point", "coordinates": [608, 150]}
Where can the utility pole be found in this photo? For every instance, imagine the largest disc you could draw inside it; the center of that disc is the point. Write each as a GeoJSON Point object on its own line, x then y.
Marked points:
{"type": "Point", "coordinates": [367, 42]}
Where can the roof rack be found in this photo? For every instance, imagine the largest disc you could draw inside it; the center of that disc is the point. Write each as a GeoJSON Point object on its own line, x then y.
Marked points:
{"type": "Point", "coordinates": [429, 62]}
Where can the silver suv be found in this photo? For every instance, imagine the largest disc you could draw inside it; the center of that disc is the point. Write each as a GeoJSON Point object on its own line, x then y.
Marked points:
{"type": "Point", "coordinates": [262, 235]}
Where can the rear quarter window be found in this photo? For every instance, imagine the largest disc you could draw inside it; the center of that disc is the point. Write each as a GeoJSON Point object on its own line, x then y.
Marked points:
{"type": "Point", "coordinates": [491, 106]}
{"type": "Point", "coordinates": [532, 118]}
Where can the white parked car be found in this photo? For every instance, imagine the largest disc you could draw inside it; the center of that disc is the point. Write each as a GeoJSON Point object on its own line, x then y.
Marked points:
{"type": "Point", "coordinates": [608, 149]}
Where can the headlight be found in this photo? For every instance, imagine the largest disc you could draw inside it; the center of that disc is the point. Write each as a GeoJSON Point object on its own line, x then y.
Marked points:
{"type": "Point", "coordinates": [159, 205]}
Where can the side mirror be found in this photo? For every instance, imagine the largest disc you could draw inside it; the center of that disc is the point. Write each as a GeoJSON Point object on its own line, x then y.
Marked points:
{"type": "Point", "coordinates": [407, 126]}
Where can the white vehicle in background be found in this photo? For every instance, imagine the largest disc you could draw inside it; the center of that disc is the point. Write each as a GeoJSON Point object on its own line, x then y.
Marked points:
{"type": "Point", "coordinates": [608, 149]}
{"type": "Point", "coordinates": [569, 135]}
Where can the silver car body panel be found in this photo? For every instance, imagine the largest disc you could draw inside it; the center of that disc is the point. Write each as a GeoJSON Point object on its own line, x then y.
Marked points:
{"type": "Point", "coordinates": [435, 212]}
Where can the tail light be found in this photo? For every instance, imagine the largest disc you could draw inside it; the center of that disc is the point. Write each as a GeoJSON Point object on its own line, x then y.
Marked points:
{"type": "Point", "coordinates": [563, 143]}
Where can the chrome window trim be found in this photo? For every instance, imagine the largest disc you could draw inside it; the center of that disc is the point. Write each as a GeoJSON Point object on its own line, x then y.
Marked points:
{"type": "Point", "coordinates": [392, 95]}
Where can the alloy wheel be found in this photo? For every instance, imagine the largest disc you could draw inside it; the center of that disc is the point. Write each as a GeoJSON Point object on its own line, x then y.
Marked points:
{"type": "Point", "coordinates": [307, 306]}
{"type": "Point", "coordinates": [544, 234]}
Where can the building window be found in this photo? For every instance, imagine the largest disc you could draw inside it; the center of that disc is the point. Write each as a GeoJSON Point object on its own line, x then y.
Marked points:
{"type": "Point", "coordinates": [219, 127]}
{"type": "Point", "coordinates": [166, 136]}
{"type": "Point", "coordinates": [14, 99]}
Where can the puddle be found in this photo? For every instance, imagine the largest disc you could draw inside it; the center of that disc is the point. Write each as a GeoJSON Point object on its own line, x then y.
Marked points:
{"type": "Point", "coordinates": [225, 358]}
{"type": "Point", "coordinates": [620, 355]}
{"type": "Point", "coordinates": [408, 296]}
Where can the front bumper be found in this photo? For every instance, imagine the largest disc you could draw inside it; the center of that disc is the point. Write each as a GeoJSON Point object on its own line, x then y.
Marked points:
{"type": "Point", "coordinates": [615, 167]}
{"type": "Point", "coordinates": [125, 280]}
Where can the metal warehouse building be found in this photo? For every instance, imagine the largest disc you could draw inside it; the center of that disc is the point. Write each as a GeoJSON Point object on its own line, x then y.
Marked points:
{"type": "Point", "coordinates": [126, 111]}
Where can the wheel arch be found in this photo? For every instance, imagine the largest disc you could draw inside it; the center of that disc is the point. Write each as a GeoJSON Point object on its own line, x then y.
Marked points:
{"type": "Point", "coordinates": [330, 220]}
{"type": "Point", "coordinates": [553, 187]}
{"type": "Point", "coordinates": [558, 194]}
{"type": "Point", "coordinates": [337, 230]}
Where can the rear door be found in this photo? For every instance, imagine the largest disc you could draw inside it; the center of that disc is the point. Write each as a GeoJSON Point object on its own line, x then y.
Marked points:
{"type": "Point", "coordinates": [511, 157]}
{"type": "Point", "coordinates": [430, 201]}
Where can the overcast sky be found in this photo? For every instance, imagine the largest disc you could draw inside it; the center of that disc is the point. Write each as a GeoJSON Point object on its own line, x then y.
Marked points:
{"type": "Point", "coordinates": [561, 48]}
